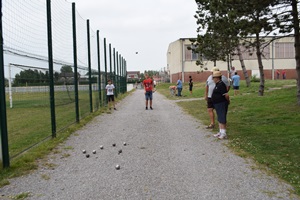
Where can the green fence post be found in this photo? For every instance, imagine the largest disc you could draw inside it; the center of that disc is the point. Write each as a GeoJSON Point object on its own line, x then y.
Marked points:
{"type": "Point", "coordinates": [75, 62]}
{"type": "Point", "coordinates": [118, 81]}
{"type": "Point", "coordinates": [89, 65]}
{"type": "Point", "coordinates": [115, 81]}
{"type": "Point", "coordinates": [50, 62]}
{"type": "Point", "coordinates": [110, 63]}
{"type": "Point", "coordinates": [125, 63]}
{"type": "Point", "coordinates": [99, 68]}
{"type": "Point", "coordinates": [105, 71]}
{"type": "Point", "coordinates": [3, 117]}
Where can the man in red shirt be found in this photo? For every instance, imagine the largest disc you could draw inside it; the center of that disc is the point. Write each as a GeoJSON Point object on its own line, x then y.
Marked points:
{"type": "Point", "coordinates": [148, 85]}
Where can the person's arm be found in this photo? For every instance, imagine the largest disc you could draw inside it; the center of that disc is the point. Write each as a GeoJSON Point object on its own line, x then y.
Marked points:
{"type": "Point", "coordinates": [206, 93]}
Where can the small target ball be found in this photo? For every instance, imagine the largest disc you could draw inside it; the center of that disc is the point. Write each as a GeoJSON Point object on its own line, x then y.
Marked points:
{"type": "Point", "coordinates": [124, 144]}
{"type": "Point", "coordinates": [114, 144]}
{"type": "Point", "coordinates": [120, 151]}
{"type": "Point", "coordinates": [118, 167]}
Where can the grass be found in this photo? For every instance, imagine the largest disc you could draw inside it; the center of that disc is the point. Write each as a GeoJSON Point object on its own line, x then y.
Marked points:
{"type": "Point", "coordinates": [34, 125]}
{"type": "Point", "coordinates": [265, 129]}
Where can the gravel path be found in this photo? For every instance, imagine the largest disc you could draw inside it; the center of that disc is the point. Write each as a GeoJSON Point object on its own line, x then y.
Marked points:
{"type": "Point", "coordinates": [168, 156]}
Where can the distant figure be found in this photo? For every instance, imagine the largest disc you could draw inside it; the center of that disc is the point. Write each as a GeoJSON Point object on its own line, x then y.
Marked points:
{"type": "Point", "coordinates": [148, 84]}
{"type": "Point", "coordinates": [283, 74]}
{"type": "Point", "coordinates": [110, 94]}
{"type": "Point", "coordinates": [179, 87]}
{"type": "Point", "coordinates": [154, 83]}
{"type": "Point", "coordinates": [172, 89]}
{"type": "Point", "coordinates": [278, 73]}
{"type": "Point", "coordinates": [232, 71]}
{"type": "Point", "coordinates": [191, 84]}
{"type": "Point", "coordinates": [236, 83]}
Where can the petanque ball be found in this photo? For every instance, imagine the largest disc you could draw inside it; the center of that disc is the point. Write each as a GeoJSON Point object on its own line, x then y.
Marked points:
{"type": "Point", "coordinates": [118, 167]}
{"type": "Point", "coordinates": [94, 151]}
{"type": "Point", "coordinates": [114, 144]}
{"type": "Point", "coordinates": [101, 147]}
{"type": "Point", "coordinates": [87, 155]}
{"type": "Point", "coordinates": [83, 151]}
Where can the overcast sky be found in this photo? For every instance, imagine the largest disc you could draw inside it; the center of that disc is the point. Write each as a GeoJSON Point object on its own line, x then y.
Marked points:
{"type": "Point", "coordinates": [146, 27]}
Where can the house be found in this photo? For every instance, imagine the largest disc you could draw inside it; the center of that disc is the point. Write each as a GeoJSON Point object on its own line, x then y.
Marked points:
{"type": "Point", "coordinates": [133, 76]}
{"type": "Point", "coordinates": [278, 55]}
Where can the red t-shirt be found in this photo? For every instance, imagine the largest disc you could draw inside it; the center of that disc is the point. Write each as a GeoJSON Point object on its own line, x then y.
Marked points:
{"type": "Point", "coordinates": [148, 84]}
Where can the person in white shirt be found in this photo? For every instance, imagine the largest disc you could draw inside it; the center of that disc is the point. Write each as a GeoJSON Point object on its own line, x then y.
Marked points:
{"type": "Point", "coordinates": [110, 94]}
{"type": "Point", "coordinates": [210, 85]}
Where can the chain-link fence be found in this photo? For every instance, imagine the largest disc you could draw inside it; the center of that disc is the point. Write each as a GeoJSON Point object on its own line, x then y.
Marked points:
{"type": "Point", "coordinates": [54, 68]}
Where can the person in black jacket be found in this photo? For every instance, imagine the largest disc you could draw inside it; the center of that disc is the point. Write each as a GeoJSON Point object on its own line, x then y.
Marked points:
{"type": "Point", "coordinates": [220, 100]}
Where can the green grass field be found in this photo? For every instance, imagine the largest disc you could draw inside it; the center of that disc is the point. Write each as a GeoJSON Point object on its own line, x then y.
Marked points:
{"type": "Point", "coordinates": [266, 128]}
{"type": "Point", "coordinates": [29, 121]}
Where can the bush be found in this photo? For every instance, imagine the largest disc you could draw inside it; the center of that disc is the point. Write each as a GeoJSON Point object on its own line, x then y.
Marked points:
{"type": "Point", "coordinates": [254, 79]}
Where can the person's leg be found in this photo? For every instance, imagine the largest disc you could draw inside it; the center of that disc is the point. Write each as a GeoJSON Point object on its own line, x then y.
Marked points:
{"type": "Point", "coordinates": [211, 117]}
{"type": "Point", "coordinates": [151, 97]}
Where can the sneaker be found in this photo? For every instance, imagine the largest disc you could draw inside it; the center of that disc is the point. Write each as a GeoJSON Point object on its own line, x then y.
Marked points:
{"type": "Point", "coordinates": [151, 108]}
{"type": "Point", "coordinates": [146, 108]}
{"type": "Point", "coordinates": [109, 108]}
{"type": "Point", "coordinates": [222, 136]}
{"type": "Point", "coordinates": [115, 109]}
{"type": "Point", "coordinates": [217, 135]}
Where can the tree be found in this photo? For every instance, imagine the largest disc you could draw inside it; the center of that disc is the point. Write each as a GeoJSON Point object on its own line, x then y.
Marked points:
{"type": "Point", "coordinates": [31, 77]}
{"type": "Point", "coordinates": [221, 39]}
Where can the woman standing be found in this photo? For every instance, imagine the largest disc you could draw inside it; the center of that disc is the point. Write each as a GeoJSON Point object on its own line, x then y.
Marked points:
{"type": "Point", "coordinates": [220, 100]}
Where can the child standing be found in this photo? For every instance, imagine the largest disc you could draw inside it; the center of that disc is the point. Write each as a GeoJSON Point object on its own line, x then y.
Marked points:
{"type": "Point", "coordinates": [110, 94]}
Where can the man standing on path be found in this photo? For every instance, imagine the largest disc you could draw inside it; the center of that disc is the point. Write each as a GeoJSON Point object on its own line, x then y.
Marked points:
{"type": "Point", "coordinates": [179, 87]}
{"type": "Point", "coordinates": [210, 85]}
{"type": "Point", "coordinates": [148, 86]}
{"type": "Point", "coordinates": [236, 83]}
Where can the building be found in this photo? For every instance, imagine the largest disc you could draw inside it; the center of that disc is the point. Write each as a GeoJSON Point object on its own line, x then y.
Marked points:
{"type": "Point", "coordinates": [279, 55]}
{"type": "Point", "coordinates": [133, 76]}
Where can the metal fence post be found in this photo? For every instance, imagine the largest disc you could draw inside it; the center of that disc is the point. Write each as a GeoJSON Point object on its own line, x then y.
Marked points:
{"type": "Point", "coordinates": [75, 62]}
{"type": "Point", "coordinates": [50, 61]}
{"type": "Point", "coordinates": [89, 65]}
{"type": "Point", "coordinates": [110, 63]}
{"type": "Point", "coordinates": [99, 68]}
{"type": "Point", "coordinates": [3, 116]}
{"type": "Point", "coordinates": [105, 71]}
{"type": "Point", "coordinates": [115, 81]}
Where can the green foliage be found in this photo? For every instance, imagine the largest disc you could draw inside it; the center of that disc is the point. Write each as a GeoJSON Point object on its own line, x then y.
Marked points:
{"type": "Point", "coordinates": [31, 77]}
{"type": "Point", "coordinates": [254, 78]}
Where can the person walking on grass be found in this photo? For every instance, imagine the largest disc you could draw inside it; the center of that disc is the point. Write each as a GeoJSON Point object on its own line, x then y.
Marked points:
{"type": "Point", "coordinates": [191, 85]}
{"type": "Point", "coordinates": [210, 85]}
{"type": "Point", "coordinates": [148, 87]}
{"type": "Point", "coordinates": [110, 94]}
{"type": "Point", "coordinates": [236, 83]}
{"type": "Point", "coordinates": [220, 100]}
{"type": "Point", "coordinates": [179, 87]}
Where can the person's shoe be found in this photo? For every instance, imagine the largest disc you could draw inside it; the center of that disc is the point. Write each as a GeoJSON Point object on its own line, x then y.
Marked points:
{"type": "Point", "coordinates": [222, 136]}
{"type": "Point", "coordinates": [115, 109]}
{"type": "Point", "coordinates": [146, 108]}
{"type": "Point", "coordinates": [109, 108]}
{"type": "Point", "coordinates": [211, 126]}
{"type": "Point", "coordinates": [151, 108]}
{"type": "Point", "coordinates": [217, 135]}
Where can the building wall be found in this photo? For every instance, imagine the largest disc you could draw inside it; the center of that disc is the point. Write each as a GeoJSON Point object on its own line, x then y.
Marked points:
{"type": "Point", "coordinates": [176, 59]}
{"type": "Point", "coordinates": [202, 76]}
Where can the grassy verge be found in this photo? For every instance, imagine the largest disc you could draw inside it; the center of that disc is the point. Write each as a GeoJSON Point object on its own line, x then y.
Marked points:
{"type": "Point", "coordinates": [266, 128]}
{"type": "Point", "coordinates": [26, 162]}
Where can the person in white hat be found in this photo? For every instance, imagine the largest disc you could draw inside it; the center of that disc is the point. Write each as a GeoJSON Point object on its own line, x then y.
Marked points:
{"type": "Point", "coordinates": [210, 85]}
{"type": "Point", "coordinates": [220, 100]}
